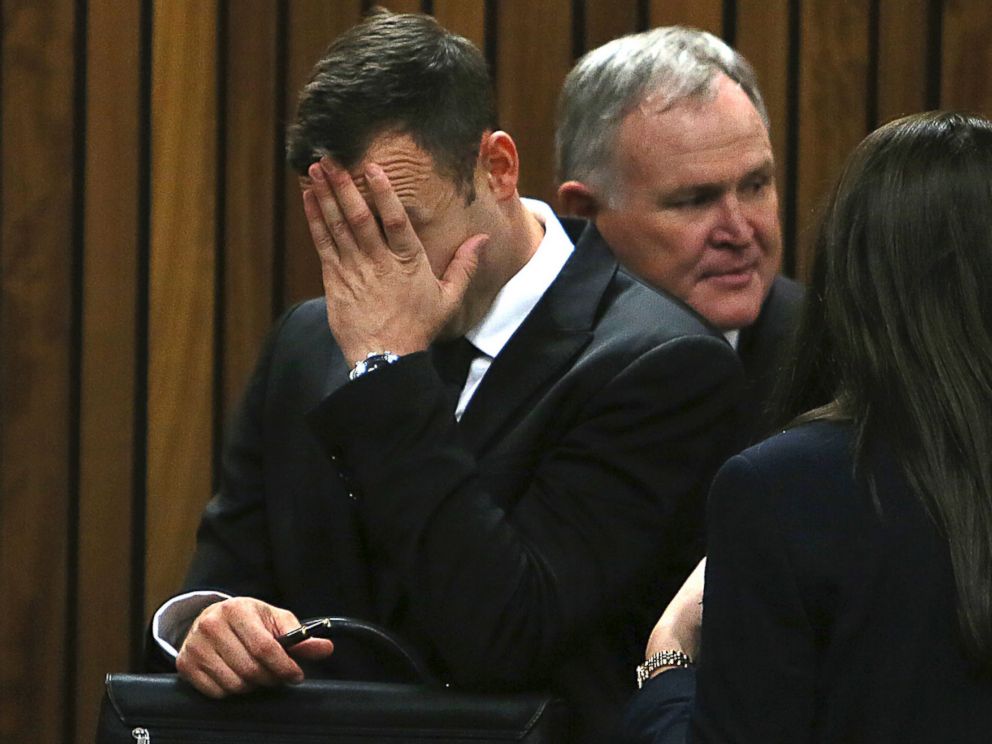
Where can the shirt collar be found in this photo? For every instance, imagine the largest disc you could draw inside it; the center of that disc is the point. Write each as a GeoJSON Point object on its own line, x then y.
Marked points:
{"type": "Point", "coordinates": [518, 296]}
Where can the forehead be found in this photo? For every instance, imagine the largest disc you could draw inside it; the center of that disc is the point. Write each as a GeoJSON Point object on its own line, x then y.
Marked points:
{"type": "Point", "coordinates": [410, 169]}
{"type": "Point", "coordinates": [704, 140]}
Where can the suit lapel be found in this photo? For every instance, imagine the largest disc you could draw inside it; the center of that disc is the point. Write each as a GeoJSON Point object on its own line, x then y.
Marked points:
{"type": "Point", "coordinates": [547, 342]}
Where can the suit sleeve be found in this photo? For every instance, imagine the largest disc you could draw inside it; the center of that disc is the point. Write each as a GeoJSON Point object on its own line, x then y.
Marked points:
{"type": "Point", "coordinates": [755, 681]}
{"type": "Point", "coordinates": [502, 590]}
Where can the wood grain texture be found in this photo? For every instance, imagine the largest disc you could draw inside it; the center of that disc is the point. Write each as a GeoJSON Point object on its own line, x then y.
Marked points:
{"type": "Point", "coordinates": [704, 14]}
{"type": "Point", "coordinates": [763, 38]}
{"type": "Point", "coordinates": [181, 284]}
{"type": "Point", "coordinates": [112, 161]}
{"type": "Point", "coordinates": [312, 25]}
{"type": "Point", "coordinates": [832, 104]}
{"type": "Point", "coordinates": [967, 57]}
{"type": "Point", "coordinates": [401, 6]}
{"type": "Point", "coordinates": [252, 132]}
{"type": "Point", "coordinates": [608, 20]}
{"type": "Point", "coordinates": [464, 17]}
{"type": "Point", "coordinates": [36, 262]}
{"type": "Point", "coordinates": [902, 57]}
{"type": "Point", "coordinates": [534, 55]}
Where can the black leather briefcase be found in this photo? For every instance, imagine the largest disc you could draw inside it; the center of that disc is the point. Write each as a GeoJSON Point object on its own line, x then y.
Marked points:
{"type": "Point", "coordinates": [161, 708]}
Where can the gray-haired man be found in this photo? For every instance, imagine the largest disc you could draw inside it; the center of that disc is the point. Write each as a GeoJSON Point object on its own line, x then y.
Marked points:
{"type": "Point", "coordinates": [663, 144]}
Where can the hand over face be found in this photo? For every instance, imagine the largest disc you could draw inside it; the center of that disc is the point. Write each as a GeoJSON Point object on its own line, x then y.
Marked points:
{"type": "Point", "coordinates": [381, 292]}
{"type": "Point", "coordinates": [680, 623]}
{"type": "Point", "coordinates": [231, 648]}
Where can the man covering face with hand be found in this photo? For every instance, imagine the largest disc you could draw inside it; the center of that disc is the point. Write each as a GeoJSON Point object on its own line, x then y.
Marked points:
{"type": "Point", "coordinates": [483, 437]}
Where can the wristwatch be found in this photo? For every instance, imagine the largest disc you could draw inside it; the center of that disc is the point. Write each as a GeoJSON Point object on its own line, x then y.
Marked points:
{"type": "Point", "coordinates": [659, 660]}
{"type": "Point", "coordinates": [373, 361]}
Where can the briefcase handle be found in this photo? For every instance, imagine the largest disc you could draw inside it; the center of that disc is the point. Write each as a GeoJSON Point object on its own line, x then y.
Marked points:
{"type": "Point", "coordinates": [387, 643]}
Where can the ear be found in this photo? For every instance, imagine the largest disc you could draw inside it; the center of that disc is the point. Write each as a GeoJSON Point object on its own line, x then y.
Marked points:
{"type": "Point", "coordinates": [500, 163]}
{"type": "Point", "coordinates": [574, 197]}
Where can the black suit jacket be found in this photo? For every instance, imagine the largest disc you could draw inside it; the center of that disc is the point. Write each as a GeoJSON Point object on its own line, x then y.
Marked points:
{"type": "Point", "coordinates": [529, 546]}
{"type": "Point", "coordinates": [824, 620]}
{"type": "Point", "coordinates": [765, 347]}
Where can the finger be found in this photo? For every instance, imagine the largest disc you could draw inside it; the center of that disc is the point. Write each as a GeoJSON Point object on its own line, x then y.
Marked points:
{"type": "Point", "coordinates": [321, 236]}
{"type": "Point", "coordinates": [458, 275]}
{"type": "Point", "coordinates": [231, 635]}
{"type": "Point", "coordinates": [200, 665]}
{"type": "Point", "coordinates": [334, 221]}
{"type": "Point", "coordinates": [402, 239]}
{"type": "Point", "coordinates": [312, 649]}
{"type": "Point", "coordinates": [257, 635]}
{"type": "Point", "coordinates": [354, 209]}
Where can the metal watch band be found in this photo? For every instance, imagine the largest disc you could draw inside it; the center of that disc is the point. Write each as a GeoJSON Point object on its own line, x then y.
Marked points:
{"type": "Point", "coordinates": [659, 660]}
{"type": "Point", "coordinates": [372, 361]}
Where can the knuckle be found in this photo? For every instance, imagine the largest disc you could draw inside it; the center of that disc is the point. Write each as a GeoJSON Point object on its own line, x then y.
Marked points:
{"type": "Point", "coordinates": [338, 226]}
{"type": "Point", "coordinates": [361, 218]}
{"type": "Point", "coordinates": [394, 223]}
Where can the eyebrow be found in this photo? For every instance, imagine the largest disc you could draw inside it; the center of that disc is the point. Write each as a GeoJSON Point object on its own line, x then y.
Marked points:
{"type": "Point", "coordinates": [765, 168]}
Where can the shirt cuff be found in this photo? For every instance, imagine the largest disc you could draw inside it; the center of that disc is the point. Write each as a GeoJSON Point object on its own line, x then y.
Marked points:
{"type": "Point", "coordinates": [172, 620]}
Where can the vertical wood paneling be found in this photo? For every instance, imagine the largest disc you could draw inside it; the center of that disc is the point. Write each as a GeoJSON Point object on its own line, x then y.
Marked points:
{"type": "Point", "coordinates": [902, 57]}
{"type": "Point", "coordinates": [832, 103]}
{"type": "Point", "coordinates": [967, 56]}
{"type": "Point", "coordinates": [36, 263]}
{"type": "Point", "coordinates": [704, 14]}
{"type": "Point", "coordinates": [312, 25]}
{"type": "Point", "coordinates": [534, 55]}
{"type": "Point", "coordinates": [112, 161]}
{"type": "Point", "coordinates": [67, 285]}
{"type": "Point", "coordinates": [465, 17]}
{"type": "Point", "coordinates": [181, 317]}
{"type": "Point", "coordinates": [763, 38]}
{"type": "Point", "coordinates": [401, 6]}
{"type": "Point", "coordinates": [250, 171]}
{"type": "Point", "coordinates": [608, 20]}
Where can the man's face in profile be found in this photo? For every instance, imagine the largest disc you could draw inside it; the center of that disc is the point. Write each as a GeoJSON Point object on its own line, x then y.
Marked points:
{"type": "Point", "coordinates": [697, 210]}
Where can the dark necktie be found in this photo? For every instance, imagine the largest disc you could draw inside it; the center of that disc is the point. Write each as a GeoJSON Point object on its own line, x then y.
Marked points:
{"type": "Point", "coordinates": [452, 360]}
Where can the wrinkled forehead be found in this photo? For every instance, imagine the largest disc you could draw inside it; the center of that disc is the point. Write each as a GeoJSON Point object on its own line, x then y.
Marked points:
{"type": "Point", "coordinates": [410, 169]}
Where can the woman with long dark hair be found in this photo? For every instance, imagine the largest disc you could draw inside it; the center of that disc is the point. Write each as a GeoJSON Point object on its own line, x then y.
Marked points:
{"type": "Point", "coordinates": [848, 584]}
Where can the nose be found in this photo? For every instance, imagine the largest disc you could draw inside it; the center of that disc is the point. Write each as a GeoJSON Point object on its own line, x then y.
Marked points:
{"type": "Point", "coordinates": [733, 228]}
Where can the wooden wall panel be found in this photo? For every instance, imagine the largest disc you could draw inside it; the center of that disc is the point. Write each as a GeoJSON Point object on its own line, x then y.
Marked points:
{"type": "Point", "coordinates": [312, 25]}
{"type": "Point", "coordinates": [253, 159]}
{"type": "Point", "coordinates": [181, 284]}
{"type": "Point", "coordinates": [967, 56]}
{"type": "Point", "coordinates": [106, 426]}
{"type": "Point", "coordinates": [902, 58]}
{"type": "Point", "coordinates": [704, 14]}
{"type": "Point", "coordinates": [401, 6]}
{"type": "Point", "coordinates": [36, 268]}
{"type": "Point", "coordinates": [762, 36]}
{"type": "Point", "coordinates": [80, 198]}
{"type": "Point", "coordinates": [465, 17]}
{"type": "Point", "coordinates": [832, 103]}
{"type": "Point", "coordinates": [534, 55]}
{"type": "Point", "coordinates": [608, 20]}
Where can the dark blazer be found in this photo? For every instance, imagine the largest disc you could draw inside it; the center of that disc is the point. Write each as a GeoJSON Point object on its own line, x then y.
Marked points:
{"type": "Point", "coordinates": [529, 546]}
{"type": "Point", "coordinates": [824, 620]}
{"type": "Point", "coordinates": [764, 348]}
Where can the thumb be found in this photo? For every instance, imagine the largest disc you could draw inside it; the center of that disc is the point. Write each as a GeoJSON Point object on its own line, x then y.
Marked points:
{"type": "Point", "coordinates": [312, 649]}
{"type": "Point", "coordinates": [462, 267]}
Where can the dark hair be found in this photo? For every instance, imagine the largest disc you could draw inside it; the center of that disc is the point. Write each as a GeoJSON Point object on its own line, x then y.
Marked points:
{"type": "Point", "coordinates": [904, 308]}
{"type": "Point", "coordinates": [395, 73]}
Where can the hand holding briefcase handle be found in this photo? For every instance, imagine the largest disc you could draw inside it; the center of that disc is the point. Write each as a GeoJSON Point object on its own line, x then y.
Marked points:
{"type": "Point", "coordinates": [157, 708]}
